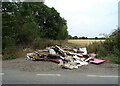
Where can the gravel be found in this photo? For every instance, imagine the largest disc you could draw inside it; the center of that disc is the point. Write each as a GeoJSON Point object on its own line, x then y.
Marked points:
{"type": "Point", "coordinates": [40, 66]}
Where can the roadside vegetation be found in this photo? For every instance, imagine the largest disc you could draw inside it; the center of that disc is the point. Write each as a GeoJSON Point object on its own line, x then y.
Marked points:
{"type": "Point", "coordinates": [29, 26]}
{"type": "Point", "coordinates": [109, 49]}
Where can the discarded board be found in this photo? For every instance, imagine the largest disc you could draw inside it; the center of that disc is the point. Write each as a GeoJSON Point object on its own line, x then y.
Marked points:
{"type": "Point", "coordinates": [66, 58]}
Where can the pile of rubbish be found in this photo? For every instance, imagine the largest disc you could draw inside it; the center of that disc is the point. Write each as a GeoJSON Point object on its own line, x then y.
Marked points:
{"type": "Point", "coordinates": [65, 57]}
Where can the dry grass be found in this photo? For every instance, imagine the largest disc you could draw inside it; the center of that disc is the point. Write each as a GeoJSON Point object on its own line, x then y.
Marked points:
{"type": "Point", "coordinates": [83, 42]}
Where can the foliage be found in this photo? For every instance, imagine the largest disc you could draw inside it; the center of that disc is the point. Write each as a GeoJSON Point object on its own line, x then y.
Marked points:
{"type": "Point", "coordinates": [9, 53]}
{"type": "Point", "coordinates": [83, 37]}
{"type": "Point", "coordinates": [25, 23]}
{"type": "Point", "coordinates": [41, 43]}
{"type": "Point", "coordinates": [115, 56]}
{"type": "Point", "coordinates": [9, 57]}
{"type": "Point", "coordinates": [110, 48]}
{"type": "Point", "coordinates": [112, 44]}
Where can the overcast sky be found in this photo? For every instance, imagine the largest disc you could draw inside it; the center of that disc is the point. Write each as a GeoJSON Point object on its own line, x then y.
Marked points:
{"type": "Point", "coordinates": [87, 17]}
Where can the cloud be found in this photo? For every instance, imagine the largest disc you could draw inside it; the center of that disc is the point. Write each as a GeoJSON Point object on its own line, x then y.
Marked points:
{"type": "Point", "coordinates": [87, 17]}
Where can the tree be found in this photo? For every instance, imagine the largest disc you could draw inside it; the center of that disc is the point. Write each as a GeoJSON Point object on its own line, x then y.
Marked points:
{"type": "Point", "coordinates": [75, 37]}
{"type": "Point", "coordinates": [70, 37]}
{"type": "Point", "coordinates": [23, 22]}
{"type": "Point", "coordinates": [84, 37]}
{"type": "Point", "coordinates": [96, 37]}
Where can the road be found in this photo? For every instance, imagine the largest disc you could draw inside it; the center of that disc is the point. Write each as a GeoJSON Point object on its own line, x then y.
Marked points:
{"type": "Point", "coordinates": [57, 77]}
{"type": "Point", "coordinates": [21, 71]}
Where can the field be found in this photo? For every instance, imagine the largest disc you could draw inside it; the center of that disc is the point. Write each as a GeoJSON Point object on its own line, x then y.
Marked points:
{"type": "Point", "coordinates": [83, 42]}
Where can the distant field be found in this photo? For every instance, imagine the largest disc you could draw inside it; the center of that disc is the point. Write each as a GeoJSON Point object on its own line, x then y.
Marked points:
{"type": "Point", "coordinates": [83, 42]}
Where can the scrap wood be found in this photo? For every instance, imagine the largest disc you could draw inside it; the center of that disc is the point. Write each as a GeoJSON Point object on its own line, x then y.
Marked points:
{"type": "Point", "coordinates": [42, 52]}
{"type": "Point", "coordinates": [55, 60]}
{"type": "Point", "coordinates": [65, 58]}
{"type": "Point", "coordinates": [67, 65]}
{"type": "Point", "coordinates": [73, 54]}
{"type": "Point", "coordinates": [88, 59]}
{"type": "Point", "coordinates": [72, 50]}
{"type": "Point", "coordinates": [72, 62]}
{"type": "Point", "coordinates": [37, 55]}
{"type": "Point", "coordinates": [32, 56]}
{"type": "Point", "coordinates": [55, 56]}
{"type": "Point", "coordinates": [68, 49]}
{"type": "Point", "coordinates": [62, 52]}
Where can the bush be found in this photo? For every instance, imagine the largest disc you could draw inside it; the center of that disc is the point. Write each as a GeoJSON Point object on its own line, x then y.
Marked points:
{"type": "Point", "coordinates": [41, 43]}
{"type": "Point", "coordinates": [110, 48]}
{"type": "Point", "coordinates": [7, 42]}
{"type": "Point", "coordinates": [115, 56]}
{"type": "Point", "coordinates": [9, 53]}
{"type": "Point", "coordinates": [9, 57]}
{"type": "Point", "coordinates": [102, 51]}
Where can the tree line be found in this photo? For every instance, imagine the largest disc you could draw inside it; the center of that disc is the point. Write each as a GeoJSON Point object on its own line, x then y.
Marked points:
{"type": "Point", "coordinates": [24, 22]}
{"type": "Point", "coordinates": [83, 37]}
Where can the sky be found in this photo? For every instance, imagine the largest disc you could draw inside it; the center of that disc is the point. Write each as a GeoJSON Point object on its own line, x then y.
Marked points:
{"type": "Point", "coordinates": [90, 18]}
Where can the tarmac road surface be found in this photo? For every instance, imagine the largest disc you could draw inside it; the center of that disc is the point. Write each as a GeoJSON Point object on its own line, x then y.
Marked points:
{"type": "Point", "coordinates": [57, 77]}
{"type": "Point", "coordinates": [21, 71]}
